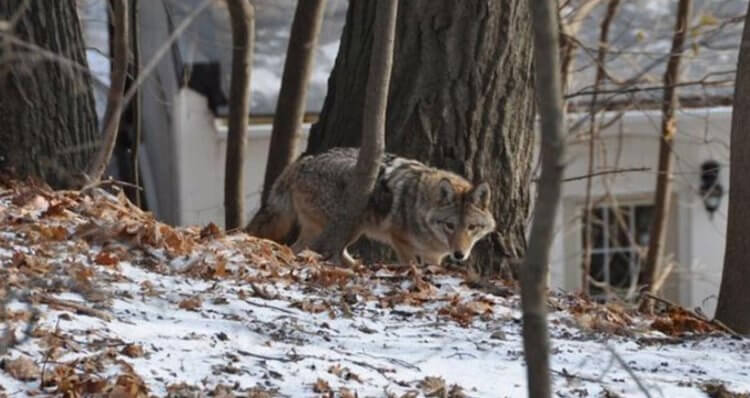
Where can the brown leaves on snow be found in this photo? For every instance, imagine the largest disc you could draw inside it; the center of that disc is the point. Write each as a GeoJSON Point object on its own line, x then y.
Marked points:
{"type": "Point", "coordinates": [21, 368]}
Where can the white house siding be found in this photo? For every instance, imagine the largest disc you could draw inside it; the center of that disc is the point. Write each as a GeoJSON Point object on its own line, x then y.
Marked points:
{"type": "Point", "coordinates": [200, 146]}
{"type": "Point", "coordinates": [695, 241]}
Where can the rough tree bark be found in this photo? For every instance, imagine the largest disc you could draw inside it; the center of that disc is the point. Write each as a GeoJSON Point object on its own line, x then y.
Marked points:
{"type": "Point", "coordinates": [111, 120]}
{"type": "Point", "coordinates": [48, 123]}
{"type": "Point", "coordinates": [337, 234]}
{"type": "Point", "coordinates": [242, 15]}
{"type": "Point", "coordinates": [657, 235]}
{"type": "Point", "coordinates": [536, 265]}
{"type": "Point", "coordinates": [290, 108]}
{"type": "Point", "coordinates": [734, 301]}
{"type": "Point", "coordinates": [460, 99]}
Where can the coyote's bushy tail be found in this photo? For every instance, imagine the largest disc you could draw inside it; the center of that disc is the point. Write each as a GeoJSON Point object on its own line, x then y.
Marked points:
{"type": "Point", "coordinates": [276, 219]}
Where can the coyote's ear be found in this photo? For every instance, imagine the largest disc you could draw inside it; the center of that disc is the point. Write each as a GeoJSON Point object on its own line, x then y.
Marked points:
{"type": "Point", "coordinates": [447, 192]}
{"type": "Point", "coordinates": [480, 196]}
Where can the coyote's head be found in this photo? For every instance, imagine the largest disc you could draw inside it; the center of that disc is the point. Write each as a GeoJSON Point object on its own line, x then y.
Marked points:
{"type": "Point", "coordinates": [460, 216]}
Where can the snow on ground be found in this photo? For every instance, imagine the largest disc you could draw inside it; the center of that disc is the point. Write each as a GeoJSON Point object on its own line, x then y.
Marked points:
{"type": "Point", "coordinates": [129, 305]}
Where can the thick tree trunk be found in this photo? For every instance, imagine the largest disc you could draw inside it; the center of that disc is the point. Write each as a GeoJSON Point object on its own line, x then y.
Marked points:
{"type": "Point", "coordinates": [290, 107]}
{"type": "Point", "coordinates": [460, 99]}
{"type": "Point", "coordinates": [48, 125]}
{"type": "Point", "coordinates": [734, 303]}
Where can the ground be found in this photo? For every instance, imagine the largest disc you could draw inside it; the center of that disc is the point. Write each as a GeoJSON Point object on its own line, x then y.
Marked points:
{"type": "Point", "coordinates": [102, 299]}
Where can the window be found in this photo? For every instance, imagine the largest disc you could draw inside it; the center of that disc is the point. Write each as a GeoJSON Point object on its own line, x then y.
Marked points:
{"type": "Point", "coordinates": [619, 241]}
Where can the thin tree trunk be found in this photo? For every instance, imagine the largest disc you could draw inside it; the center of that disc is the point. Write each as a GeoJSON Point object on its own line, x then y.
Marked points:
{"type": "Point", "coordinates": [734, 301]}
{"type": "Point", "coordinates": [242, 15]}
{"type": "Point", "coordinates": [657, 235]}
{"type": "Point", "coordinates": [111, 120]}
{"type": "Point", "coordinates": [461, 99]}
{"type": "Point", "coordinates": [290, 108]}
{"type": "Point", "coordinates": [136, 106]}
{"type": "Point", "coordinates": [536, 266]}
{"type": "Point", "coordinates": [601, 59]}
{"type": "Point", "coordinates": [338, 233]}
{"type": "Point", "coordinates": [48, 123]}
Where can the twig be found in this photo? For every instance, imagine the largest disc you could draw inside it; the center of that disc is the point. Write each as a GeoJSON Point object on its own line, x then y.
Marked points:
{"type": "Point", "coordinates": [78, 307]}
{"type": "Point", "coordinates": [567, 375]}
{"type": "Point", "coordinates": [603, 172]}
{"type": "Point", "coordinates": [630, 371]}
{"type": "Point", "coordinates": [715, 322]}
{"type": "Point", "coordinates": [46, 358]}
{"type": "Point", "coordinates": [270, 307]}
{"type": "Point", "coordinates": [702, 83]}
{"type": "Point", "coordinates": [395, 361]}
{"type": "Point", "coordinates": [295, 358]}
{"type": "Point", "coordinates": [109, 181]}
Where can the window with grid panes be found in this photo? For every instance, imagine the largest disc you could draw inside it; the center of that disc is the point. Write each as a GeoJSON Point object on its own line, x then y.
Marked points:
{"type": "Point", "coordinates": [619, 240]}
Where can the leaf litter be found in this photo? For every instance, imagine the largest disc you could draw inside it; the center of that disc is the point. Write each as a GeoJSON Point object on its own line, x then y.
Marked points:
{"type": "Point", "coordinates": [101, 299]}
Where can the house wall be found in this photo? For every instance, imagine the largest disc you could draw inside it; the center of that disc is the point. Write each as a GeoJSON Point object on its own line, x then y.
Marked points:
{"type": "Point", "coordinates": [695, 241]}
{"type": "Point", "coordinates": [200, 145]}
{"type": "Point", "coordinates": [158, 149]}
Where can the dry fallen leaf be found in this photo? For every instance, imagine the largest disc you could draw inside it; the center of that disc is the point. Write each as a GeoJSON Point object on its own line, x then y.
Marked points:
{"type": "Point", "coordinates": [56, 233]}
{"type": "Point", "coordinates": [129, 386]}
{"type": "Point", "coordinates": [210, 231]}
{"type": "Point", "coordinates": [321, 386]}
{"type": "Point", "coordinates": [258, 392]}
{"type": "Point", "coordinates": [191, 304]}
{"type": "Point", "coordinates": [133, 350]}
{"type": "Point", "coordinates": [346, 393]}
{"type": "Point", "coordinates": [21, 368]}
{"type": "Point", "coordinates": [311, 306]}
{"type": "Point", "coordinates": [106, 258]}
{"type": "Point", "coordinates": [433, 386]}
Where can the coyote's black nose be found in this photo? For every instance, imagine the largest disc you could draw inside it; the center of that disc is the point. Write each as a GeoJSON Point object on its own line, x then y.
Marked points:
{"type": "Point", "coordinates": [458, 255]}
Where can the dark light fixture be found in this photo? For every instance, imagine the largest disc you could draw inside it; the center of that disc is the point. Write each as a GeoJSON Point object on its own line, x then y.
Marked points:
{"type": "Point", "coordinates": [711, 189]}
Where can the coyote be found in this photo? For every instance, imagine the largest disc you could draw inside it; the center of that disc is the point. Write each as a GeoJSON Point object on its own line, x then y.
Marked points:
{"type": "Point", "coordinates": [423, 213]}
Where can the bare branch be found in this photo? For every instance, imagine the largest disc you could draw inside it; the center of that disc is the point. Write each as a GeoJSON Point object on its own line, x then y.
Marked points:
{"type": "Point", "coordinates": [702, 83]}
{"type": "Point", "coordinates": [111, 122]}
{"type": "Point", "coordinates": [612, 7]}
{"type": "Point", "coordinates": [606, 172]}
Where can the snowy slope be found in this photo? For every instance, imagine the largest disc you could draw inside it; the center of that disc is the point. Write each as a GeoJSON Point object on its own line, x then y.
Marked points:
{"type": "Point", "coordinates": [130, 305]}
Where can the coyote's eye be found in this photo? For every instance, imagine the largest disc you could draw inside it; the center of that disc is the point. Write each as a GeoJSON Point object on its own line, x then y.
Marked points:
{"type": "Point", "coordinates": [449, 226]}
{"type": "Point", "coordinates": [472, 227]}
